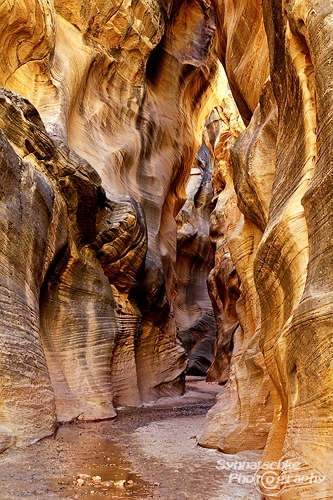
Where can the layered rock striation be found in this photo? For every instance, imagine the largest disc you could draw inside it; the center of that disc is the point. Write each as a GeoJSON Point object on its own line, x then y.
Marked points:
{"type": "Point", "coordinates": [281, 177]}
{"type": "Point", "coordinates": [192, 306]}
{"type": "Point", "coordinates": [97, 153]}
{"type": "Point", "coordinates": [101, 118]}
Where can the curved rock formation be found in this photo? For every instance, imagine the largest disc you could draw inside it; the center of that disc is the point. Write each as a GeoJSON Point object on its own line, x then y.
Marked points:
{"type": "Point", "coordinates": [241, 46]}
{"type": "Point", "coordinates": [62, 301]}
{"type": "Point", "coordinates": [247, 392]}
{"type": "Point", "coordinates": [90, 191]}
{"type": "Point", "coordinates": [300, 57]}
{"type": "Point", "coordinates": [223, 282]}
{"type": "Point", "coordinates": [25, 377]}
{"type": "Point", "coordinates": [192, 306]}
{"type": "Point", "coordinates": [113, 84]}
{"type": "Point", "coordinates": [281, 177]}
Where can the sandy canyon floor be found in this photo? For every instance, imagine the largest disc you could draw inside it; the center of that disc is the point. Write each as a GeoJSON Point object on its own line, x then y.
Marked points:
{"type": "Point", "coordinates": [148, 452]}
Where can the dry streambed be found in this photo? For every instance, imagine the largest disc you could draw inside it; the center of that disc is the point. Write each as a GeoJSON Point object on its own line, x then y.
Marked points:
{"type": "Point", "coordinates": [149, 452]}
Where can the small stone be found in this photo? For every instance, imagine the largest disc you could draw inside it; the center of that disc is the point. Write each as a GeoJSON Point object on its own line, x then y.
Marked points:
{"type": "Point", "coordinates": [119, 484]}
{"type": "Point", "coordinates": [80, 482]}
{"type": "Point", "coordinates": [130, 481]}
{"type": "Point", "coordinates": [107, 483]}
{"type": "Point", "coordinates": [96, 479]}
{"type": "Point", "coordinates": [83, 476]}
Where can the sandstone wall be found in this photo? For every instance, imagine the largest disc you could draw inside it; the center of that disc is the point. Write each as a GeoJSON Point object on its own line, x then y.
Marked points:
{"type": "Point", "coordinates": [123, 90]}
{"type": "Point", "coordinates": [242, 416]}
{"type": "Point", "coordinates": [223, 126]}
{"type": "Point", "coordinates": [296, 359]}
{"type": "Point", "coordinates": [281, 177]}
{"type": "Point", "coordinates": [192, 306]}
{"type": "Point", "coordinates": [89, 195]}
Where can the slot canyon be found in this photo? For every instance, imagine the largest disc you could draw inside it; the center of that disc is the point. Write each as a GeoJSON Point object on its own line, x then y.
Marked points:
{"type": "Point", "coordinates": [165, 215]}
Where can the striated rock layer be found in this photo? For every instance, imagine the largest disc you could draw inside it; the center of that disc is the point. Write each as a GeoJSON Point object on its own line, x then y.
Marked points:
{"type": "Point", "coordinates": [242, 416]}
{"type": "Point", "coordinates": [192, 305]}
{"type": "Point", "coordinates": [94, 164]}
{"type": "Point", "coordinates": [297, 349]}
{"type": "Point", "coordinates": [89, 196]}
{"type": "Point", "coordinates": [56, 297]}
{"type": "Point", "coordinates": [223, 127]}
{"type": "Point", "coordinates": [281, 166]}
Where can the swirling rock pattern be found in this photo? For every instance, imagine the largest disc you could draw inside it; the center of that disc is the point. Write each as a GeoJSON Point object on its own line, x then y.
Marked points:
{"type": "Point", "coordinates": [282, 177]}
{"type": "Point", "coordinates": [110, 158]}
{"type": "Point", "coordinates": [223, 127]}
{"type": "Point", "coordinates": [25, 379]}
{"type": "Point", "coordinates": [60, 275]}
{"type": "Point", "coordinates": [247, 393]}
{"type": "Point", "coordinates": [300, 338]}
{"type": "Point", "coordinates": [88, 204]}
{"type": "Point", "coordinates": [192, 306]}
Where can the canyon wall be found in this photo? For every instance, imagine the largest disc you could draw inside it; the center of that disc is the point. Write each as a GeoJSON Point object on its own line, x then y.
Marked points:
{"type": "Point", "coordinates": [101, 119]}
{"type": "Point", "coordinates": [242, 416]}
{"type": "Point", "coordinates": [192, 306]}
{"type": "Point", "coordinates": [281, 174]}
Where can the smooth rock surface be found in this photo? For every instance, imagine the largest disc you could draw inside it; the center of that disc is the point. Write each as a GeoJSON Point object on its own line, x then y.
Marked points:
{"type": "Point", "coordinates": [88, 204]}
{"type": "Point", "coordinates": [282, 177]}
{"type": "Point", "coordinates": [108, 163]}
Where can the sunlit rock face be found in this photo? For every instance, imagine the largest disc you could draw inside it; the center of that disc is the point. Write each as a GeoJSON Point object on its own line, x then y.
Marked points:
{"type": "Point", "coordinates": [242, 416]}
{"type": "Point", "coordinates": [89, 200]}
{"type": "Point", "coordinates": [243, 178]}
{"type": "Point", "coordinates": [123, 90]}
{"type": "Point", "coordinates": [241, 46]}
{"type": "Point", "coordinates": [281, 174]}
{"type": "Point", "coordinates": [298, 238]}
{"type": "Point", "coordinates": [223, 126]}
{"type": "Point", "coordinates": [205, 223]}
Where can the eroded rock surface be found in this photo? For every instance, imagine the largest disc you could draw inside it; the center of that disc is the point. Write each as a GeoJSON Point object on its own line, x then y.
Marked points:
{"type": "Point", "coordinates": [281, 176]}
{"type": "Point", "coordinates": [47, 191]}
{"type": "Point", "coordinates": [192, 305]}
{"type": "Point", "coordinates": [108, 162]}
{"type": "Point", "coordinates": [89, 196]}
{"type": "Point", "coordinates": [247, 394]}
